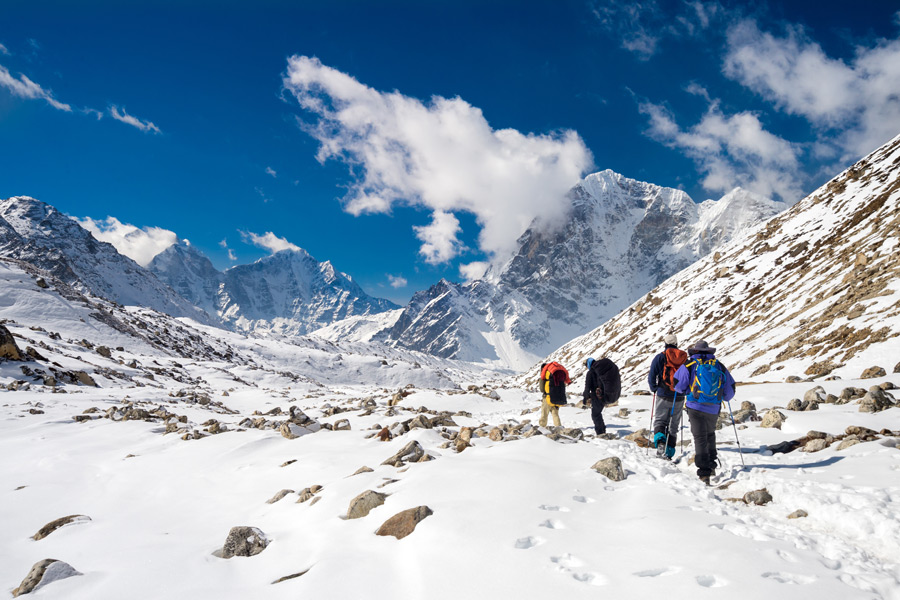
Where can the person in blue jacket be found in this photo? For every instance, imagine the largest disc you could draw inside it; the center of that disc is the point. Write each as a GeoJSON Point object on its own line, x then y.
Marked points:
{"type": "Point", "coordinates": [706, 383]}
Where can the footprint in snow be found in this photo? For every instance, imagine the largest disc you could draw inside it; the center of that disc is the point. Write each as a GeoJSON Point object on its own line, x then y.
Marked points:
{"type": "Point", "coordinates": [660, 572]}
{"type": "Point", "coordinates": [711, 581]}
{"type": "Point", "coordinates": [583, 499]}
{"type": "Point", "coordinates": [552, 524]}
{"type": "Point", "coordinates": [790, 578]}
{"type": "Point", "coordinates": [568, 563]}
{"type": "Point", "coordinates": [526, 543]}
{"type": "Point", "coordinates": [786, 556]}
{"type": "Point", "coordinates": [553, 508]}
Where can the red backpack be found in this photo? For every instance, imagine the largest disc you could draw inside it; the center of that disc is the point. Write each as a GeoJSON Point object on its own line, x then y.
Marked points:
{"type": "Point", "coordinates": [674, 359]}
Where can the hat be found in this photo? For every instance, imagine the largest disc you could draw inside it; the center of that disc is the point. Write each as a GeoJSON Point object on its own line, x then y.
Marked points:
{"type": "Point", "coordinates": [671, 340]}
{"type": "Point", "coordinates": [701, 347]}
{"type": "Point", "coordinates": [589, 362]}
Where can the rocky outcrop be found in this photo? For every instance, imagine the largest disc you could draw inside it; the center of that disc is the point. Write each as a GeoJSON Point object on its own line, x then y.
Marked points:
{"type": "Point", "coordinates": [873, 372]}
{"type": "Point", "coordinates": [404, 523]}
{"type": "Point", "coordinates": [8, 348]}
{"type": "Point", "coordinates": [44, 572]}
{"type": "Point", "coordinates": [57, 524]}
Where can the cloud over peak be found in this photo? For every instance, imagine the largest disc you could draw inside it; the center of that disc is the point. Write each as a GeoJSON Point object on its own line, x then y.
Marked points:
{"type": "Point", "coordinates": [442, 156]}
{"type": "Point", "coordinates": [140, 244]}
{"type": "Point", "coordinates": [268, 241]}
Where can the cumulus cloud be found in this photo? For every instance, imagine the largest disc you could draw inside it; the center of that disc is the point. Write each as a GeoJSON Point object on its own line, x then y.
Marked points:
{"type": "Point", "coordinates": [442, 156]}
{"type": "Point", "coordinates": [271, 171]}
{"type": "Point", "coordinates": [231, 255]}
{"type": "Point", "coordinates": [268, 241]}
{"type": "Point", "coordinates": [473, 270]}
{"type": "Point", "coordinates": [859, 100]}
{"type": "Point", "coordinates": [732, 150]}
{"type": "Point", "coordinates": [23, 87]}
{"type": "Point", "coordinates": [643, 25]}
{"type": "Point", "coordinates": [138, 244]}
{"type": "Point", "coordinates": [145, 126]}
{"type": "Point", "coordinates": [397, 281]}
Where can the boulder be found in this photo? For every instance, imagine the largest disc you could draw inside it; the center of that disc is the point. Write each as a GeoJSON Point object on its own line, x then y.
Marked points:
{"type": "Point", "coordinates": [873, 372]}
{"type": "Point", "coordinates": [815, 445]}
{"type": "Point", "coordinates": [308, 493]}
{"type": "Point", "coordinates": [794, 404]}
{"type": "Point", "coordinates": [623, 413]}
{"type": "Point", "coordinates": [773, 418]}
{"type": "Point", "coordinates": [640, 437]}
{"type": "Point", "coordinates": [850, 440]}
{"type": "Point", "coordinates": [897, 368]}
{"type": "Point", "coordinates": [363, 469]}
{"type": "Point", "coordinates": [496, 434]}
{"type": "Point", "coordinates": [404, 523]}
{"type": "Point", "coordinates": [103, 351]}
{"type": "Point", "coordinates": [42, 573]}
{"type": "Point", "coordinates": [244, 541]}
{"type": "Point", "coordinates": [57, 524]}
{"type": "Point", "coordinates": [420, 422]}
{"type": "Point", "coordinates": [875, 400]}
{"type": "Point", "coordinates": [758, 497]}
{"type": "Point", "coordinates": [797, 514]}
{"type": "Point", "coordinates": [411, 452]}
{"type": "Point", "coordinates": [85, 379]}
{"type": "Point", "coordinates": [611, 468]}
{"type": "Point", "coordinates": [342, 425]}
{"type": "Point", "coordinates": [8, 348]}
{"type": "Point", "coordinates": [817, 394]}
{"type": "Point", "coordinates": [365, 502]}
{"type": "Point", "coordinates": [279, 496]}
{"type": "Point", "coordinates": [292, 431]}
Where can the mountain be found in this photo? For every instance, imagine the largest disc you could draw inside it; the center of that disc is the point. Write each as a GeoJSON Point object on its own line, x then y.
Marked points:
{"type": "Point", "coordinates": [288, 292]}
{"type": "Point", "coordinates": [621, 238]}
{"type": "Point", "coordinates": [813, 290]}
{"type": "Point", "coordinates": [35, 232]}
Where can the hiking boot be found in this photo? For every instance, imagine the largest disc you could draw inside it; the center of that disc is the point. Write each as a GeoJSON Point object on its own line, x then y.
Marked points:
{"type": "Point", "coordinates": [670, 452]}
{"type": "Point", "coordinates": [705, 479]}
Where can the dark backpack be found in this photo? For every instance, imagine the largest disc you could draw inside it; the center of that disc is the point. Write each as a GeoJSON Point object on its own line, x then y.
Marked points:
{"type": "Point", "coordinates": [607, 374]}
{"type": "Point", "coordinates": [706, 386]}
{"type": "Point", "coordinates": [554, 378]}
{"type": "Point", "coordinates": [674, 359]}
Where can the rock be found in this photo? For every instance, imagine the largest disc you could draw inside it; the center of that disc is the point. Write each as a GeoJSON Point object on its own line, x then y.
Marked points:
{"type": "Point", "coordinates": [342, 425]}
{"type": "Point", "coordinates": [793, 379]}
{"type": "Point", "coordinates": [747, 405]}
{"type": "Point", "coordinates": [404, 523]}
{"type": "Point", "coordinates": [817, 394]}
{"type": "Point", "coordinates": [34, 354]}
{"type": "Point", "coordinates": [888, 385]}
{"type": "Point", "coordinates": [308, 493]}
{"type": "Point", "coordinates": [873, 372]}
{"type": "Point", "coordinates": [875, 400]}
{"type": "Point", "coordinates": [611, 468]}
{"type": "Point", "coordinates": [365, 502]}
{"type": "Point", "coordinates": [103, 351]}
{"type": "Point", "coordinates": [861, 432]}
{"type": "Point", "coordinates": [279, 496]}
{"type": "Point", "coordinates": [85, 379]}
{"type": "Point", "coordinates": [794, 404]}
{"type": "Point", "coordinates": [897, 368]}
{"type": "Point", "coordinates": [496, 434]}
{"type": "Point", "coordinates": [420, 422]}
{"type": "Point", "coordinates": [640, 437]}
{"type": "Point", "coordinates": [289, 577]}
{"type": "Point", "coordinates": [43, 573]}
{"type": "Point", "coordinates": [758, 497]}
{"type": "Point", "coordinates": [244, 541]}
{"type": "Point", "coordinates": [363, 469]}
{"type": "Point", "coordinates": [797, 514]}
{"type": "Point", "coordinates": [773, 418]}
{"type": "Point", "coordinates": [411, 452]}
{"type": "Point", "coordinates": [57, 524]}
{"type": "Point", "coordinates": [8, 348]}
{"type": "Point", "coordinates": [41, 283]}
{"type": "Point", "coordinates": [848, 441]}
{"type": "Point", "coordinates": [293, 431]}
{"type": "Point", "coordinates": [575, 433]}
{"type": "Point", "coordinates": [815, 445]}
{"type": "Point", "coordinates": [623, 413]}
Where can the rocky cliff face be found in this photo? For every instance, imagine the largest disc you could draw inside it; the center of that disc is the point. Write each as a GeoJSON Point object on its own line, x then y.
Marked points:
{"type": "Point", "coordinates": [812, 291]}
{"type": "Point", "coordinates": [622, 238]}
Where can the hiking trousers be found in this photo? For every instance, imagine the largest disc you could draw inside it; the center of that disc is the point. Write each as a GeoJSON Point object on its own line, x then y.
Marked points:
{"type": "Point", "coordinates": [597, 417]}
{"type": "Point", "coordinates": [665, 420]}
{"type": "Point", "coordinates": [703, 428]}
{"type": "Point", "coordinates": [546, 410]}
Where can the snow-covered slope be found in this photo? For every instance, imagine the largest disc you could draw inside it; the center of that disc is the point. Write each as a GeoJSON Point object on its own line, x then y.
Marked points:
{"type": "Point", "coordinates": [287, 293]}
{"type": "Point", "coordinates": [58, 244]}
{"type": "Point", "coordinates": [813, 291]}
{"type": "Point", "coordinates": [622, 238]}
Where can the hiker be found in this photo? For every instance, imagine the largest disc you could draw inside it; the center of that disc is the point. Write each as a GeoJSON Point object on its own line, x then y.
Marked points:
{"type": "Point", "coordinates": [706, 383]}
{"type": "Point", "coordinates": [602, 386]}
{"type": "Point", "coordinates": [666, 408]}
{"type": "Point", "coordinates": [554, 379]}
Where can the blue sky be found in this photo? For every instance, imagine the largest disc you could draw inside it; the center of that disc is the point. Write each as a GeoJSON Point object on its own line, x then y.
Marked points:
{"type": "Point", "coordinates": [408, 141]}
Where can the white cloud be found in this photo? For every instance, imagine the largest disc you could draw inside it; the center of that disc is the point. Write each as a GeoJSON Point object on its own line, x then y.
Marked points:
{"type": "Point", "coordinates": [271, 171]}
{"type": "Point", "coordinates": [732, 150]}
{"type": "Point", "coordinates": [231, 255]}
{"type": "Point", "coordinates": [858, 100]}
{"type": "Point", "coordinates": [643, 25]}
{"type": "Point", "coordinates": [3, 50]}
{"type": "Point", "coordinates": [268, 241]}
{"type": "Point", "coordinates": [26, 88]}
{"type": "Point", "coordinates": [145, 126]}
{"type": "Point", "coordinates": [138, 244]}
{"type": "Point", "coordinates": [397, 281]}
{"type": "Point", "coordinates": [443, 156]}
{"type": "Point", "coordinates": [473, 270]}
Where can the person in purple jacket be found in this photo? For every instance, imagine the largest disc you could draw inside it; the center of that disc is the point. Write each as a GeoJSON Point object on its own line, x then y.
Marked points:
{"type": "Point", "coordinates": [706, 383]}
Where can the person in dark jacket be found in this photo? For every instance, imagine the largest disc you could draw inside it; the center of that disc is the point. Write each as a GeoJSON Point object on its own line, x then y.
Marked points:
{"type": "Point", "coordinates": [702, 409]}
{"type": "Point", "coordinates": [667, 408]}
{"type": "Point", "coordinates": [602, 386]}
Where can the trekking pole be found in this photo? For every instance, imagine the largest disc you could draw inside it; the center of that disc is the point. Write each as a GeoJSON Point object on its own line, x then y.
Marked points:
{"type": "Point", "coordinates": [740, 450]}
{"type": "Point", "coordinates": [652, 408]}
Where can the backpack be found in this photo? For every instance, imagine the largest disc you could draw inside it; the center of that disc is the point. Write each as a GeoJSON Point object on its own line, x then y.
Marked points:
{"type": "Point", "coordinates": [611, 383]}
{"type": "Point", "coordinates": [554, 378]}
{"type": "Point", "coordinates": [706, 387]}
{"type": "Point", "coordinates": [674, 359]}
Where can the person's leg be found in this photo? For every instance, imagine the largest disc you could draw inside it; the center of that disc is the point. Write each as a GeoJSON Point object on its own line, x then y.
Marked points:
{"type": "Point", "coordinates": [675, 423]}
{"type": "Point", "coordinates": [555, 411]}
{"type": "Point", "coordinates": [597, 417]}
{"type": "Point", "coordinates": [700, 431]}
{"type": "Point", "coordinates": [545, 409]}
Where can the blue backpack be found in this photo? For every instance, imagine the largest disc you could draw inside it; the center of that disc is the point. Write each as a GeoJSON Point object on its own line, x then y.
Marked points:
{"type": "Point", "coordinates": [706, 387]}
